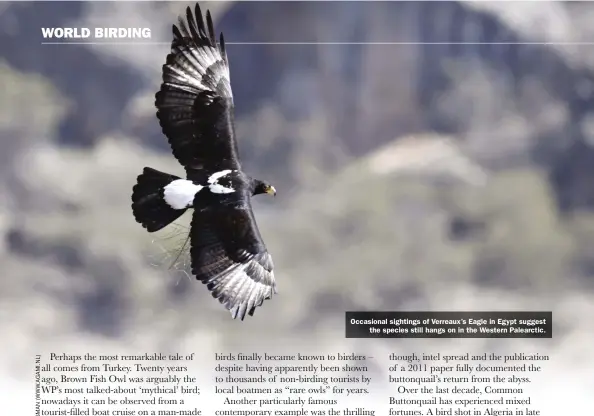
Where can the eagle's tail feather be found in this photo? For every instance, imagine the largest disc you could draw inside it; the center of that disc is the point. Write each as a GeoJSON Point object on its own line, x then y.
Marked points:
{"type": "Point", "coordinates": [148, 200]}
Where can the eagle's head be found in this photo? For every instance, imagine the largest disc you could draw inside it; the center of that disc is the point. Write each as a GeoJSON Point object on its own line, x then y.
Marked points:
{"type": "Point", "coordinates": [261, 187]}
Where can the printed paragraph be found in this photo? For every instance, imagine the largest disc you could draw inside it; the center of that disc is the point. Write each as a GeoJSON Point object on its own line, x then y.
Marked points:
{"type": "Point", "coordinates": [253, 384]}
{"type": "Point", "coordinates": [115, 385]}
{"type": "Point", "coordinates": [487, 384]}
{"type": "Point", "coordinates": [283, 384]}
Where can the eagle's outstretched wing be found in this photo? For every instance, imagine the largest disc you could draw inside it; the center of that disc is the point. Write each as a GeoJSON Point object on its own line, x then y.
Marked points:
{"type": "Point", "coordinates": [195, 103]}
{"type": "Point", "coordinates": [229, 256]}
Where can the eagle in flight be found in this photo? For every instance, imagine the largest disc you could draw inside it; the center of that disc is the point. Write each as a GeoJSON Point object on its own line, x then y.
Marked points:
{"type": "Point", "coordinates": [195, 111]}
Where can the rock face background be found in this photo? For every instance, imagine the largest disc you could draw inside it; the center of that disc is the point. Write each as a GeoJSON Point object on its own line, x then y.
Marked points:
{"type": "Point", "coordinates": [453, 170]}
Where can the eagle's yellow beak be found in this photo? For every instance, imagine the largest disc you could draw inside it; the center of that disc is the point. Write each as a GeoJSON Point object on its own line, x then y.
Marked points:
{"type": "Point", "coordinates": [271, 190]}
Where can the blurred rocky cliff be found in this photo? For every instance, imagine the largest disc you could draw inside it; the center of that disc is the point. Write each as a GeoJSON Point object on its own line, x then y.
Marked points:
{"type": "Point", "coordinates": [452, 169]}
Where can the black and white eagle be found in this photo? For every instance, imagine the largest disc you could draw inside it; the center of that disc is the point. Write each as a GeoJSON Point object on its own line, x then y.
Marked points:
{"type": "Point", "coordinates": [195, 111]}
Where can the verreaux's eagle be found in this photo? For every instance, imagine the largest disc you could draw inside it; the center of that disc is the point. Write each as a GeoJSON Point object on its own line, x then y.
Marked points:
{"type": "Point", "coordinates": [195, 111]}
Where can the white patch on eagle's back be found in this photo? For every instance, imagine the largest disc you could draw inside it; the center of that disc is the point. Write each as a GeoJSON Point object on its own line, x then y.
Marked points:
{"type": "Point", "coordinates": [218, 175]}
{"type": "Point", "coordinates": [216, 187]}
{"type": "Point", "coordinates": [220, 189]}
{"type": "Point", "coordinates": [180, 193]}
